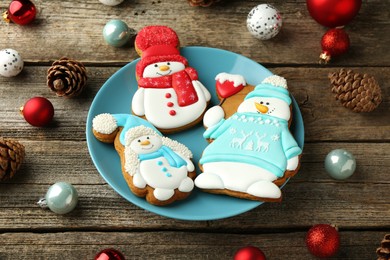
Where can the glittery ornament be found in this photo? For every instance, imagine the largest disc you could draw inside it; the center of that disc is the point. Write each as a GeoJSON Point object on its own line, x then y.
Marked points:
{"type": "Point", "coordinates": [109, 254]}
{"type": "Point", "coordinates": [264, 22]}
{"type": "Point", "coordinates": [323, 240]}
{"type": "Point", "coordinates": [11, 63]}
{"type": "Point", "coordinates": [334, 43]}
{"type": "Point", "coordinates": [249, 253]}
{"type": "Point", "coordinates": [333, 13]}
{"type": "Point", "coordinates": [111, 2]}
{"type": "Point", "coordinates": [21, 12]}
{"type": "Point", "coordinates": [38, 111]}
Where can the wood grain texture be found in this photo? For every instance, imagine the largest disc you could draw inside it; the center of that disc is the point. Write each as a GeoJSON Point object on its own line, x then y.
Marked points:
{"type": "Point", "coordinates": [359, 206]}
{"type": "Point", "coordinates": [76, 28]}
{"type": "Point", "coordinates": [176, 245]}
{"type": "Point", "coordinates": [325, 118]}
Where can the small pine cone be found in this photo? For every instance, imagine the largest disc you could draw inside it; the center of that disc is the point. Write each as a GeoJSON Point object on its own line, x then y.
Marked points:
{"type": "Point", "coordinates": [383, 252]}
{"type": "Point", "coordinates": [11, 157]}
{"type": "Point", "coordinates": [67, 77]}
{"type": "Point", "coordinates": [203, 3]}
{"type": "Point", "coordinates": [358, 92]}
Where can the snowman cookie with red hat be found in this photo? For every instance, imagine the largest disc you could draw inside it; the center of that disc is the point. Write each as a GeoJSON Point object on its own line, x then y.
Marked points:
{"type": "Point", "coordinates": [170, 95]}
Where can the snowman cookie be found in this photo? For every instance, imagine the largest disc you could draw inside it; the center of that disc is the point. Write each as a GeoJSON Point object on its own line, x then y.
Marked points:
{"type": "Point", "coordinates": [252, 152]}
{"type": "Point", "coordinates": [169, 95]}
{"type": "Point", "coordinates": [155, 167]}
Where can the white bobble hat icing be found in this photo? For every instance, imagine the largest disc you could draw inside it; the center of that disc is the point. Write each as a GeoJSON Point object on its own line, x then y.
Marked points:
{"type": "Point", "coordinates": [272, 86]}
{"type": "Point", "coordinates": [276, 80]}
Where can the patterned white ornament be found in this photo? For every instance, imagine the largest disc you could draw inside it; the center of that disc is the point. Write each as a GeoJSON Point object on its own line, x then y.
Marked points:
{"type": "Point", "coordinates": [264, 22]}
{"type": "Point", "coordinates": [111, 2]}
{"type": "Point", "coordinates": [11, 63]}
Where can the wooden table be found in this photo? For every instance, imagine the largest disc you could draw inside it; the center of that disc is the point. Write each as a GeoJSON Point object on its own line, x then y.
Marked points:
{"type": "Point", "coordinates": [359, 206]}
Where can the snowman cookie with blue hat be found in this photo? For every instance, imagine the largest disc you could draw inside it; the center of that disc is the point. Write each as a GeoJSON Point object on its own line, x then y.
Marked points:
{"type": "Point", "coordinates": [252, 151]}
{"type": "Point", "coordinates": [154, 166]}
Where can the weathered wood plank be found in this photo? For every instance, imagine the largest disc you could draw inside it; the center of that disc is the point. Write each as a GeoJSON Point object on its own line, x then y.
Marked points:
{"type": "Point", "coordinates": [177, 245]}
{"type": "Point", "coordinates": [75, 28]}
{"type": "Point", "coordinates": [310, 197]}
{"type": "Point", "coordinates": [325, 118]}
{"type": "Point", "coordinates": [355, 206]}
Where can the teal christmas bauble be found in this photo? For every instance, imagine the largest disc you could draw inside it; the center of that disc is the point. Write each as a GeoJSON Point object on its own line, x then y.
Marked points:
{"type": "Point", "coordinates": [116, 33]}
{"type": "Point", "coordinates": [61, 198]}
{"type": "Point", "coordinates": [340, 164]}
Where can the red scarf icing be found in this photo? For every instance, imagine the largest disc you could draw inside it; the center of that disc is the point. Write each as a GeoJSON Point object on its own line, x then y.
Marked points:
{"type": "Point", "coordinates": [180, 81]}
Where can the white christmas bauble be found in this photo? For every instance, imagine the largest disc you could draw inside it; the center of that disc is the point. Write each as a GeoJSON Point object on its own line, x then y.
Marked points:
{"type": "Point", "coordinates": [264, 21]}
{"type": "Point", "coordinates": [11, 63]}
{"type": "Point", "coordinates": [111, 2]}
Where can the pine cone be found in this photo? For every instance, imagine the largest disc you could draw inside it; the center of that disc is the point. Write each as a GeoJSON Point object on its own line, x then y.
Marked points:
{"type": "Point", "coordinates": [66, 77]}
{"type": "Point", "coordinates": [358, 92]}
{"type": "Point", "coordinates": [383, 252]}
{"type": "Point", "coordinates": [11, 157]}
{"type": "Point", "coordinates": [203, 3]}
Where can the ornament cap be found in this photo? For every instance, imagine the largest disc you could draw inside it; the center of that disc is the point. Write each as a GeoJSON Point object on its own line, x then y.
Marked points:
{"type": "Point", "coordinates": [42, 203]}
{"type": "Point", "coordinates": [6, 17]}
{"type": "Point", "coordinates": [324, 58]}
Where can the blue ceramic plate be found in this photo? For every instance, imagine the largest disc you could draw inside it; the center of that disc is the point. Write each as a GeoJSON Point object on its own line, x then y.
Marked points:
{"type": "Point", "coordinates": [115, 97]}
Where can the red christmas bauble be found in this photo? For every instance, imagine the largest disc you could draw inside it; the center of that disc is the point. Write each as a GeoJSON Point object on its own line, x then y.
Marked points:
{"type": "Point", "coordinates": [249, 253]}
{"type": "Point", "coordinates": [38, 111]}
{"type": "Point", "coordinates": [109, 254]}
{"type": "Point", "coordinates": [21, 12]}
{"type": "Point", "coordinates": [333, 13]}
{"type": "Point", "coordinates": [334, 42]}
{"type": "Point", "coordinates": [323, 240]}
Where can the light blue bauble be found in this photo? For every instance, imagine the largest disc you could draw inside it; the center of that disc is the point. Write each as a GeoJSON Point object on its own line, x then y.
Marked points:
{"type": "Point", "coordinates": [61, 198]}
{"type": "Point", "coordinates": [116, 33]}
{"type": "Point", "coordinates": [340, 164]}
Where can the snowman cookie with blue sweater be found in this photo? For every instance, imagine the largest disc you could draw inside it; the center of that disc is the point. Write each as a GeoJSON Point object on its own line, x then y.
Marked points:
{"type": "Point", "coordinates": [252, 151]}
{"type": "Point", "coordinates": [154, 166]}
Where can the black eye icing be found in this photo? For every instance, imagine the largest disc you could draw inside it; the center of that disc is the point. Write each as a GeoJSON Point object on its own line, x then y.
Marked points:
{"type": "Point", "coordinates": [139, 141]}
{"type": "Point", "coordinates": [147, 137]}
{"type": "Point", "coordinates": [168, 63]}
{"type": "Point", "coordinates": [261, 102]}
{"type": "Point", "coordinates": [155, 65]}
{"type": "Point", "coordinates": [267, 103]}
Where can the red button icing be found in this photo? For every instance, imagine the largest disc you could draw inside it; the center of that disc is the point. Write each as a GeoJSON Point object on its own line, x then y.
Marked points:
{"type": "Point", "coordinates": [170, 104]}
{"type": "Point", "coordinates": [172, 112]}
{"type": "Point", "coordinates": [168, 95]}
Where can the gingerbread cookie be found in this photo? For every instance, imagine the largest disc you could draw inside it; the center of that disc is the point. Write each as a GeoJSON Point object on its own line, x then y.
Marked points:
{"type": "Point", "coordinates": [252, 152]}
{"type": "Point", "coordinates": [169, 95]}
{"type": "Point", "coordinates": [155, 167]}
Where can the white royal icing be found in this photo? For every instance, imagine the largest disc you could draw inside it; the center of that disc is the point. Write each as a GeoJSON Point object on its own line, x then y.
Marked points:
{"type": "Point", "coordinates": [104, 123]}
{"type": "Point", "coordinates": [213, 116]}
{"type": "Point", "coordinates": [276, 81]}
{"type": "Point", "coordinates": [235, 176]}
{"type": "Point", "coordinates": [252, 148]}
{"type": "Point", "coordinates": [152, 103]}
{"type": "Point", "coordinates": [156, 172]}
{"type": "Point", "coordinates": [159, 69]}
{"type": "Point", "coordinates": [235, 78]}
{"type": "Point", "coordinates": [275, 107]}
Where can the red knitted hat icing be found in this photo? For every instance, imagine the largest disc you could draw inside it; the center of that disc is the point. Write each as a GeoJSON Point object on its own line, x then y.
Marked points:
{"type": "Point", "coordinates": [156, 35]}
{"type": "Point", "coordinates": [158, 44]}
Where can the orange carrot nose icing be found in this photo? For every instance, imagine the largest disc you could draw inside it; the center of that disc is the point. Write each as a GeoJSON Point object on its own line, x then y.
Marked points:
{"type": "Point", "coordinates": [261, 108]}
{"type": "Point", "coordinates": [145, 142]}
{"type": "Point", "coordinates": [164, 67]}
